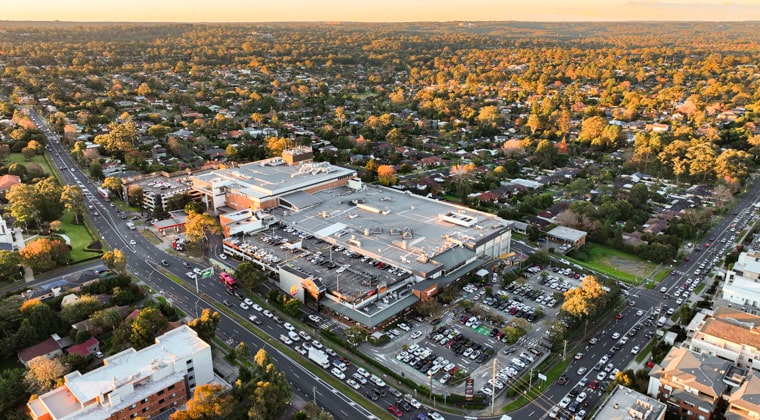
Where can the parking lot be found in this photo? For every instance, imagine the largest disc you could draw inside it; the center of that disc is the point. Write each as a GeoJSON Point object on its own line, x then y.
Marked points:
{"type": "Point", "coordinates": [465, 342]}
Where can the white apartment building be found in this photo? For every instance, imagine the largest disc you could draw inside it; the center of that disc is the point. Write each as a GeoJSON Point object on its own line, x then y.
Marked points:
{"type": "Point", "coordinates": [133, 383]}
{"type": "Point", "coordinates": [742, 283]}
{"type": "Point", "coordinates": [727, 333]}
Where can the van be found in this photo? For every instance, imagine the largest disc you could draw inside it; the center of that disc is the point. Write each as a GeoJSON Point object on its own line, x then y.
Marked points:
{"type": "Point", "coordinates": [662, 321]}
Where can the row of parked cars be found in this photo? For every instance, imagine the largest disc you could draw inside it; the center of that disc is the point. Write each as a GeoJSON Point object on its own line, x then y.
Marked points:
{"type": "Point", "coordinates": [512, 307]}
{"type": "Point", "coordinates": [463, 346]}
{"type": "Point", "coordinates": [427, 362]}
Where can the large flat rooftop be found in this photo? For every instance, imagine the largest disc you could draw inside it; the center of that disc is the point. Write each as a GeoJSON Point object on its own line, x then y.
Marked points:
{"type": "Point", "coordinates": [272, 177]}
{"type": "Point", "coordinates": [405, 230]}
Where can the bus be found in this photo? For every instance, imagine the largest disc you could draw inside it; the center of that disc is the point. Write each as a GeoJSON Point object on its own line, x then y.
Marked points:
{"type": "Point", "coordinates": [227, 281]}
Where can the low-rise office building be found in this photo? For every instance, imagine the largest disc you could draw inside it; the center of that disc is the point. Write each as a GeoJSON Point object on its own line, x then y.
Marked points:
{"type": "Point", "coordinates": [742, 282]}
{"type": "Point", "coordinates": [624, 403]}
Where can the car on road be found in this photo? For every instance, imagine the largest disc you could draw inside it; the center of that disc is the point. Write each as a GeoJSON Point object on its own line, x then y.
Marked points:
{"type": "Point", "coordinates": [395, 410]}
{"type": "Point", "coordinates": [594, 384]}
{"type": "Point", "coordinates": [562, 380]}
{"type": "Point", "coordinates": [635, 350]}
{"type": "Point", "coordinates": [601, 375]}
{"type": "Point", "coordinates": [581, 397]}
{"type": "Point", "coordinates": [615, 335]}
{"type": "Point", "coordinates": [303, 352]}
{"type": "Point", "coordinates": [248, 301]}
{"type": "Point", "coordinates": [593, 341]}
{"type": "Point", "coordinates": [256, 307]}
{"type": "Point", "coordinates": [244, 306]}
{"type": "Point", "coordinates": [639, 312]}
{"type": "Point", "coordinates": [254, 319]}
{"type": "Point", "coordinates": [288, 326]}
{"type": "Point", "coordinates": [435, 416]}
{"type": "Point", "coordinates": [352, 383]}
{"type": "Point", "coordinates": [581, 370]}
{"type": "Point", "coordinates": [565, 402]}
{"type": "Point", "coordinates": [578, 356]}
{"type": "Point", "coordinates": [186, 265]}
{"type": "Point", "coordinates": [222, 257]}
{"type": "Point", "coordinates": [338, 373]}
{"type": "Point", "coordinates": [268, 314]}
{"type": "Point", "coordinates": [191, 275]}
{"type": "Point", "coordinates": [133, 242]}
{"type": "Point", "coordinates": [165, 263]}
{"type": "Point", "coordinates": [416, 334]}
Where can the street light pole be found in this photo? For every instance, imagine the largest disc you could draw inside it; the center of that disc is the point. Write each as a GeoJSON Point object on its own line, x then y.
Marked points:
{"type": "Point", "coordinates": [314, 391]}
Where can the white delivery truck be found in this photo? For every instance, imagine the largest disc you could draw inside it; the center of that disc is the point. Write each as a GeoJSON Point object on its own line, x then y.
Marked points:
{"type": "Point", "coordinates": [319, 357]}
{"type": "Point", "coordinates": [662, 321]}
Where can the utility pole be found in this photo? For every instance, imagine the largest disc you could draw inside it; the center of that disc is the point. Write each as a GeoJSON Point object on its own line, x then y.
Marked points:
{"type": "Point", "coordinates": [530, 380]}
{"type": "Point", "coordinates": [493, 386]}
{"type": "Point", "coordinates": [314, 391]}
{"type": "Point", "coordinates": [564, 349]}
{"type": "Point", "coordinates": [430, 375]}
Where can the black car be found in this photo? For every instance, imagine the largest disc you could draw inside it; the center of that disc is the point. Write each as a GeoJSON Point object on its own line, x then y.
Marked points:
{"type": "Point", "coordinates": [380, 391]}
{"type": "Point", "coordinates": [372, 395]}
{"type": "Point", "coordinates": [404, 405]}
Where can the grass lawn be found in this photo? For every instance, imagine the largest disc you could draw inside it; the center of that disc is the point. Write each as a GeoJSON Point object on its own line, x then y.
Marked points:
{"type": "Point", "coordinates": [617, 264]}
{"type": "Point", "coordinates": [80, 238]}
{"type": "Point", "coordinates": [644, 353]}
{"type": "Point", "coordinates": [699, 288]}
{"type": "Point", "coordinates": [19, 158]}
{"type": "Point", "coordinates": [538, 386]}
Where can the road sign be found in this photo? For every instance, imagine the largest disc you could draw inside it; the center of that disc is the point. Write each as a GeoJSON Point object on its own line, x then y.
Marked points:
{"type": "Point", "coordinates": [207, 273]}
{"type": "Point", "coordinates": [541, 376]}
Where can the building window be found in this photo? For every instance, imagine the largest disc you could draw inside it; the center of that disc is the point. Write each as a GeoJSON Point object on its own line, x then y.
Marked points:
{"type": "Point", "coordinates": [191, 378]}
{"type": "Point", "coordinates": [191, 369]}
{"type": "Point", "coordinates": [145, 409]}
{"type": "Point", "coordinates": [161, 392]}
{"type": "Point", "coordinates": [170, 387]}
{"type": "Point", "coordinates": [174, 394]}
{"type": "Point", "coordinates": [161, 401]}
{"type": "Point", "coordinates": [133, 406]}
{"type": "Point", "coordinates": [144, 400]}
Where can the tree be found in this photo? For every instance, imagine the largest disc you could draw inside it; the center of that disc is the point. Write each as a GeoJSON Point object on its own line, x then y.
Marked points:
{"type": "Point", "coordinates": [73, 200]}
{"type": "Point", "coordinates": [106, 320]}
{"type": "Point", "coordinates": [42, 317]}
{"type": "Point", "coordinates": [592, 129]}
{"type": "Point", "coordinates": [386, 174]}
{"type": "Point", "coordinates": [10, 265]}
{"type": "Point", "coordinates": [114, 185]}
{"type": "Point", "coordinates": [205, 325]}
{"type": "Point", "coordinates": [210, 401]}
{"type": "Point", "coordinates": [81, 310]}
{"type": "Point", "coordinates": [121, 139]}
{"type": "Point", "coordinates": [115, 260]}
{"type": "Point", "coordinates": [135, 195]}
{"type": "Point", "coordinates": [271, 392]}
{"type": "Point", "coordinates": [292, 307]}
{"type": "Point", "coordinates": [275, 145]}
{"type": "Point", "coordinates": [148, 323]}
{"type": "Point", "coordinates": [249, 275]}
{"type": "Point", "coordinates": [395, 137]}
{"type": "Point", "coordinates": [44, 254]}
{"type": "Point", "coordinates": [733, 164]}
{"type": "Point", "coordinates": [586, 300]}
{"type": "Point", "coordinates": [242, 351]}
{"type": "Point", "coordinates": [197, 225]}
{"type": "Point", "coordinates": [13, 390]}
{"type": "Point", "coordinates": [47, 196]}
{"type": "Point", "coordinates": [22, 203]}
{"type": "Point", "coordinates": [43, 374]}
{"type": "Point", "coordinates": [546, 154]}
{"type": "Point", "coordinates": [230, 152]}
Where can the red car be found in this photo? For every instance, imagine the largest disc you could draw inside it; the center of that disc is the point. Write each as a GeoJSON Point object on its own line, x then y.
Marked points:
{"type": "Point", "coordinates": [394, 410]}
{"type": "Point", "coordinates": [618, 316]}
{"type": "Point", "coordinates": [594, 384]}
{"type": "Point", "coordinates": [650, 364]}
{"type": "Point", "coordinates": [345, 361]}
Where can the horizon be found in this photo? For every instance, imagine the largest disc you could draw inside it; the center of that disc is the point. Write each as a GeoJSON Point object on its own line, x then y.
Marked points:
{"type": "Point", "coordinates": [389, 11]}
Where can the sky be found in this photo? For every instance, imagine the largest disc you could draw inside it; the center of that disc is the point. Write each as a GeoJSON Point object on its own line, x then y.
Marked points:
{"type": "Point", "coordinates": [378, 11]}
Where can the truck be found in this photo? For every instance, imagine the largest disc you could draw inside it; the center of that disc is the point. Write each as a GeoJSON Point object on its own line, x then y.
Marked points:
{"type": "Point", "coordinates": [319, 357]}
{"type": "Point", "coordinates": [227, 281]}
{"type": "Point", "coordinates": [662, 321]}
{"type": "Point", "coordinates": [131, 225]}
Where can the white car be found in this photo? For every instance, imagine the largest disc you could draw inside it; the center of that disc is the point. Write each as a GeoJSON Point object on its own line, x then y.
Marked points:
{"type": "Point", "coordinates": [581, 397]}
{"type": "Point", "coordinates": [244, 306]}
{"type": "Point", "coordinates": [288, 326]}
{"type": "Point", "coordinates": [416, 334]}
{"type": "Point", "coordinates": [581, 370]}
{"type": "Point", "coordinates": [268, 314]}
{"type": "Point", "coordinates": [248, 302]}
{"type": "Point", "coordinates": [639, 312]}
{"type": "Point", "coordinates": [256, 307]}
{"type": "Point", "coordinates": [222, 257]}
{"type": "Point", "coordinates": [301, 350]}
{"type": "Point", "coordinates": [363, 372]}
{"type": "Point", "coordinates": [435, 416]}
{"type": "Point", "coordinates": [133, 242]}
{"type": "Point", "coordinates": [353, 384]}
{"type": "Point", "coordinates": [635, 350]}
{"type": "Point", "coordinates": [615, 336]}
{"type": "Point", "coordinates": [565, 402]}
{"type": "Point", "coordinates": [601, 376]}
{"type": "Point", "coordinates": [338, 373]}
